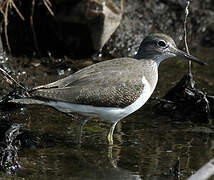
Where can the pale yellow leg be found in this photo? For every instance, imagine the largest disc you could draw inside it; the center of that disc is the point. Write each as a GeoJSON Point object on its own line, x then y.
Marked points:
{"type": "Point", "coordinates": [110, 134]}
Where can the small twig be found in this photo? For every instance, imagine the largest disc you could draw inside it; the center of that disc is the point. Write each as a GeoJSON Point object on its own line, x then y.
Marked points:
{"type": "Point", "coordinates": [5, 26]}
{"type": "Point", "coordinates": [185, 35]}
{"type": "Point", "coordinates": [48, 5]}
{"type": "Point", "coordinates": [17, 10]}
{"type": "Point", "coordinates": [33, 29]}
{"type": "Point", "coordinates": [11, 79]}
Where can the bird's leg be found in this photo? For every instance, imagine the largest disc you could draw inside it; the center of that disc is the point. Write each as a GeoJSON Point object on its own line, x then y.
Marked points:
{"type": "Point", "coordinates": [110, 134]}
{"type": "Point", "coordinates": [81, 122]}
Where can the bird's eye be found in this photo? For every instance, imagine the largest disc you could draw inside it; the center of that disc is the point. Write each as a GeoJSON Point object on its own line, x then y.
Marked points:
{"type": "Point", "coordinates": [161, 43]}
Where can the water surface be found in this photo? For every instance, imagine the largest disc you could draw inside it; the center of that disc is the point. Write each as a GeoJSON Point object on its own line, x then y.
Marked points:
{"type": "Point", "coordinates": [147, 146]}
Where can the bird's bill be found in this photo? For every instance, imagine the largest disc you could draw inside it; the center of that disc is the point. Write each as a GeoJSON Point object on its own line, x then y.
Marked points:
{"type": "Point", "coordinates": [189, 57]}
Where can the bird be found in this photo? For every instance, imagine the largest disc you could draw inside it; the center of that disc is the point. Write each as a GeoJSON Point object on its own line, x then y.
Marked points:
{"type": "Point", "coordinates": [111, 89]}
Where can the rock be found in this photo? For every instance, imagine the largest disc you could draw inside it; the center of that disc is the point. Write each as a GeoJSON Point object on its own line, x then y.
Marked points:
{"type": "Point", "coordinates": [100, 17]}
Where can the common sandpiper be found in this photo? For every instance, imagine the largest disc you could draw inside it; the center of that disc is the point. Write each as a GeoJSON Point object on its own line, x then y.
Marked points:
{"type": "Point", "coordinates": [110, 89]}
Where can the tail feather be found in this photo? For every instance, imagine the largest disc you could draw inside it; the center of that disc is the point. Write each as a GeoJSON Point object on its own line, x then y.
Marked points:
{"type": "Point", "coordinates": [27, 101]}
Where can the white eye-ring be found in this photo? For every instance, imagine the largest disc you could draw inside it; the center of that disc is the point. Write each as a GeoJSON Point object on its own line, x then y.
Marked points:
{"type": "Point", "coordinates": [162, 43]}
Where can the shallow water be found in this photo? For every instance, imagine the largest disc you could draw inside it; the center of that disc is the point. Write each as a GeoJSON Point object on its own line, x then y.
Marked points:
{"type": "Point", "coordinates": [146, 146]}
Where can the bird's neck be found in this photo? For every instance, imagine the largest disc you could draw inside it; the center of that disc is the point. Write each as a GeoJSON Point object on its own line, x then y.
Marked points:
{"type": "Point", "coordinates": [156, 58]}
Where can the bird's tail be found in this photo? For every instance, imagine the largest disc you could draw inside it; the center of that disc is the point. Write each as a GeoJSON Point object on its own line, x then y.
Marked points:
{"type": "Point", "coordinates": [27, 101]}
{"type": "Point", "coordinates": [20, 96]}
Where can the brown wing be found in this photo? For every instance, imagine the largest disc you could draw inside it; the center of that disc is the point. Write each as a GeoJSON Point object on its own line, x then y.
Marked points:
{"type": "Point", "coordinates": [108, 84]}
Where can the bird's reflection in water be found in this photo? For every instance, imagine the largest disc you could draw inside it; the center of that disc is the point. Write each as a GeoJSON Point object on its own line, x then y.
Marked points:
{"type": "Point", "coordinates": [104, 166]}
{"type": "Point", "coordinates": [109, 170]}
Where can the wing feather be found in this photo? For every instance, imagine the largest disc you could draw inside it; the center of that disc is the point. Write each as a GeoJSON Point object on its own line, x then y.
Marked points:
{"type": "Point", "coordinates": [108, 84]}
